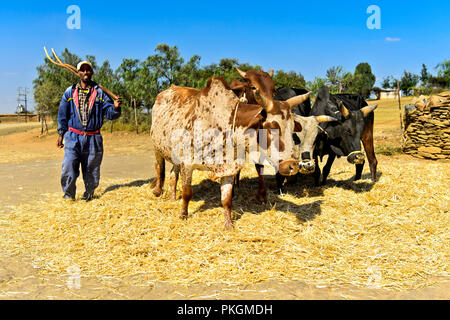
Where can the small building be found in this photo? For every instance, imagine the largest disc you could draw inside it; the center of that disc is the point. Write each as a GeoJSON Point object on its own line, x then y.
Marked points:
{"type": "Point", "coordinates": [389, 94]}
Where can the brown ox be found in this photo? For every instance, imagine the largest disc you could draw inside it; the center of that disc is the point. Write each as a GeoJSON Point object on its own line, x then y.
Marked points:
{"type": "Point", "coordinates": [256, 80]}
{"type": "Point", "coordinates": [184, 110]}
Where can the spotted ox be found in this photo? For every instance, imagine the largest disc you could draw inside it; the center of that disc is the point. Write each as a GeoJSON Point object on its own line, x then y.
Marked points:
{"type": "Point", "coordinates": [179, 114]}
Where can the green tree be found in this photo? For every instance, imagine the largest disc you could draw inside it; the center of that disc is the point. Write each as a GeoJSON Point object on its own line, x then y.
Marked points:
{"type": "Point", "coordinates": [56, 81]}
{"type": "Point", "coordinates": [315, 85]}
{"type": "Point", "coordinates": [387, 82]}
{"type": "Point", "coordinates": [424, 75]}
{"type": "Point", "coordinates": [363, 79]}
{"type": "Point", "coordinates": [48, 96]}
{"type": "Point", "coordinates": [290, 79]}
{"type": "Point", "coordinates": [408, 82]}
{"type": "Point", "coordinates": [443, 76]}
{"type": "Point", "coordinates": [334, 76]}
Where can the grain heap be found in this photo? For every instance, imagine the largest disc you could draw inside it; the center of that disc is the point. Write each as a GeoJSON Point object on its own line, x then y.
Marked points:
{"type": "Point", "coordinates": [427, 127]}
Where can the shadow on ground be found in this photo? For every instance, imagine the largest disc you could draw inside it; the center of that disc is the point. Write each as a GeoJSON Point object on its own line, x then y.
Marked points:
{"type": "Point", "coordinates": [244, 200]}
{"type": "Point", "coordinates": [136, 183]}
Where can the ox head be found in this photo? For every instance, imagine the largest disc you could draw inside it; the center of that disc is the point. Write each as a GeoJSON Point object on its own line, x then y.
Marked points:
{"type": "Point", "coordinates": [344, 135]}
{"type": "Point", "coordinates": [277, 115]}
{"type": "Point", "coordinates": [306, 139]}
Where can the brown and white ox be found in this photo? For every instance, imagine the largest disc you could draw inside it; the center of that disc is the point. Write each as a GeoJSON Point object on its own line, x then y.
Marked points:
{"type": "Point", "coordinates": [179, 113]}
{"type": "Point", "coordinates": [306, 136]}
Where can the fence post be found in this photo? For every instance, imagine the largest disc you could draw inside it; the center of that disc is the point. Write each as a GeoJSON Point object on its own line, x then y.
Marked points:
{"type": "Point", "coordinates": [399, 105]}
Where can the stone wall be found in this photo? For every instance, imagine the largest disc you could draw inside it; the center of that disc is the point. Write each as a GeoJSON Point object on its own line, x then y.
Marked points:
{"type": "Point", "coordinates": [427, 127]}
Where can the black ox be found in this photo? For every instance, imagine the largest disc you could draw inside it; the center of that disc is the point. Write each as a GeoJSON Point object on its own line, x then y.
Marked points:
{"type": "Point", "coordinates": [339, 138]}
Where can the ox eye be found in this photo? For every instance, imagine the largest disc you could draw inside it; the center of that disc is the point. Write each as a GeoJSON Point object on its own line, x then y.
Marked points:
{"type": "Point", "coordinates": [253, 88]}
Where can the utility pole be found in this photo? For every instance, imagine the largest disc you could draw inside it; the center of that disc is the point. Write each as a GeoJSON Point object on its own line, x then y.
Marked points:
{"type": "Point", "coordinates": [22, 97]}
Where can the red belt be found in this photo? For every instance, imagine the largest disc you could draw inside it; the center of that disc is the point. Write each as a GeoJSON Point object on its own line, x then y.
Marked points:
{"type": "Point", "coordinates": [84, 133]}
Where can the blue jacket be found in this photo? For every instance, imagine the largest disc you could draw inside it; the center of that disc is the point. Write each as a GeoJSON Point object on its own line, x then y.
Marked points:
{"type": "Point", "coordinates": [100, 106]}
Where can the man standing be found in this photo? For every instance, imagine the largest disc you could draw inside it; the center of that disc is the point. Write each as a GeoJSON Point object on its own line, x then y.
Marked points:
{"type": "Point", "coordinates": [80, 118]}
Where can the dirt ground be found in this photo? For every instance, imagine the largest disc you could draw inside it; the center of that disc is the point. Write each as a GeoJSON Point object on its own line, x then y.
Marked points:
{"type": "Point", "coordinates": [30, 167]}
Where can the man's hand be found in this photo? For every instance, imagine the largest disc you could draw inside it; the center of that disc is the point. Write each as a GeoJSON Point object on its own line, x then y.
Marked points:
{"type": "Point", "coordinates": [59, 143]}
{"type": "Point", "coordinates": [117, 102]}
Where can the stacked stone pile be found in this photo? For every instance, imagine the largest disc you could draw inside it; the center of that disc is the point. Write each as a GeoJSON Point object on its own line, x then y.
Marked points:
{"type": "Point", "coordinates": [427, 127]}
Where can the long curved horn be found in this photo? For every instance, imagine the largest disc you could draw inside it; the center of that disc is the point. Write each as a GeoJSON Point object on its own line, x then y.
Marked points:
{"type": "Point", "coordinates": [323, 118]}
{"type": "Point", "coordinates": [265, 103]}
{"type": "Point", "coordinates": [242, 73]}
{"type": "Point", "coordinates": [295, 101]}
{"type": "Point", "coordinates": [368, 109]}
{"type": "Point", "coordinates": [271, 73]}
{"type": "Point", "coordinates": [343, 109]}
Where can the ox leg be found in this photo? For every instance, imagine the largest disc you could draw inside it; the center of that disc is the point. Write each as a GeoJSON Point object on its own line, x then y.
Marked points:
{"type": "Point", "coordinates": [262, 191]}
{"type": "Point", "coordinates": [160, 168]}
{"type": "Point", "coordinates": [367, 140]}
{"type": "Point", "coordinates": [317, 172]}
{"type": "Point", "coordinates": [280, 180]}
{"type": "Point", "coordinates": [186, 179]}
{"type": "Point", "coordinates": [359, 170]}
{"type": "Point", "coordinates": [236, 181]}
{"type": "Point", "coordinates": [226, 191]}
{"type": "Point", "coordinates": [174, 174]}
{"type": "Point", "coordinates": [327, 167]}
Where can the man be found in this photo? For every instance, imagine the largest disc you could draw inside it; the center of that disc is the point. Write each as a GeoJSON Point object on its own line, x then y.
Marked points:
{"type": "Point", "coordinates": [80, 118]}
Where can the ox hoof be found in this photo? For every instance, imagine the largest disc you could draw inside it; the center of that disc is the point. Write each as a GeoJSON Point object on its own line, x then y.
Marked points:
{"type": "Point", "coordinates": [183, 216]}
{"type": "Point", "coordinates": [228, 225]}
{"type": "Point", "coordinates": [157, 192]}
{"type": "Point", "coordinates": [261, 198]}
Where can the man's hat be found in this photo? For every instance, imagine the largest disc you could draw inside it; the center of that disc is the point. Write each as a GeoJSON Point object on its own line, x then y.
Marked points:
{"type": "Point", "coordinates": [84, 62]}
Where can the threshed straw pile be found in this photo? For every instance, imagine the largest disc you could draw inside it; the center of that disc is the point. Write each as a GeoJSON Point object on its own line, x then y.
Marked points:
{"type": "Point", "coordinates": [338, 234]}
{"type": "Point", "coordinates": [427, 127]}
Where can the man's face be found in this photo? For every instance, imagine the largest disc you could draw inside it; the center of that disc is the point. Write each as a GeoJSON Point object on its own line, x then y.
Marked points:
{"type": "Point", "coordinates": [85, 72]}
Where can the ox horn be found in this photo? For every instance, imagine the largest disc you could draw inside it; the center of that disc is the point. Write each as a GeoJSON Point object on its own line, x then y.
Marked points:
{"type": "Point", "coordinates": [368, 109]}
{"type": "Point", "coordinates": [343, 109]}
{"type": "Point", "coordinates": [242, 73]}
{"type": "Point", "coordinates": [271, 73]}
{"type": "Point", "coordinates": [295, 101]}
{"type": "Point", "coordinates": [265, 103]}
{"type": "Point", "coordinates": [323, 118]}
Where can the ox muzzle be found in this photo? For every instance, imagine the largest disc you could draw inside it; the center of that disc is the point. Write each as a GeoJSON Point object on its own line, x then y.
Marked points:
{"type": "Point", "coordinates": [306, 165]}
{"type": "Point", "coordinates": [288, 167]}
{"type": "Point", "coordinates": [356, 157]}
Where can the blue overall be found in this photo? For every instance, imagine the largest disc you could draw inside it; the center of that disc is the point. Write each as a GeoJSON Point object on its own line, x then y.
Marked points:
{"type": "Point", "coordinates": [85, 150]}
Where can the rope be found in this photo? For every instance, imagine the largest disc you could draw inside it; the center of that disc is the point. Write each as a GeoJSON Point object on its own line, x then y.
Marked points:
{"type": "Point", "coordinates": [235, 114]}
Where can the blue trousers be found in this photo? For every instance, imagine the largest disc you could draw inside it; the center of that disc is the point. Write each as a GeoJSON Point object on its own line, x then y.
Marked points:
{"type": "Point", "coordinates": [86, 151]}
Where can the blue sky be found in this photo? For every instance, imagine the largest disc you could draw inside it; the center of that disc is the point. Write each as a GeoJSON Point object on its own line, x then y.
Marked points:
{"type": "Point", "coordinates": [304, 36]}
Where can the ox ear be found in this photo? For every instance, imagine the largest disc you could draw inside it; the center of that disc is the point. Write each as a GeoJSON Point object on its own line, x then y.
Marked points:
{"type": "Point", "coordinates": [239, 86]}
{"type": "Point", "coordinates": [297, 124]}
{"type": "Point", "coordinates": [271, 73]}
{"type": "Point", "coordinates": [242, 73]}
{"type": "Point", "coordinates": [343, 109]}
{"type": "Point", "coordinates": [367, 110]}
{"type": "Point", "coordinates": [265, 103]}
{"type": "Point", "coordinates": [323, 118]}
{"type": "Point", "coordinates": [295, 101]}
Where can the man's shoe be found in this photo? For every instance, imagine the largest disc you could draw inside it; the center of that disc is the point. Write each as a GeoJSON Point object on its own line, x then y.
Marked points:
{"type": "Point", "coordinates": [87, 196]}
{"type": "Point", "coordinates": [67, 197]}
